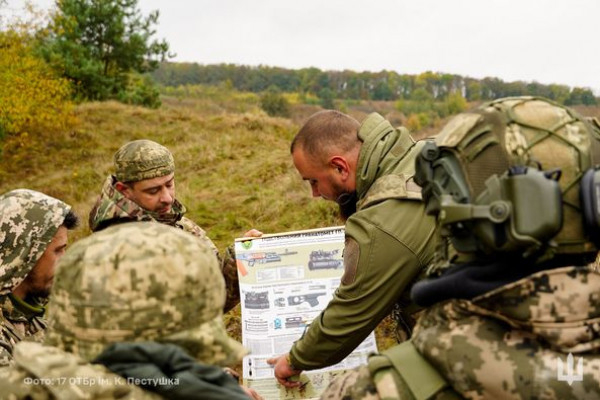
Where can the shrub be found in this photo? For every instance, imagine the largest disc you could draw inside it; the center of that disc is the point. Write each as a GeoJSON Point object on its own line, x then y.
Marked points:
{"type": "Point", "coordinates": [274, 104]}
{"type": "Point", "coordinates": [32, 98]}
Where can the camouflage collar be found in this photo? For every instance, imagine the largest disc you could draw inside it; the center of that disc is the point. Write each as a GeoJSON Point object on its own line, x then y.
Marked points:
{"type": "Point", "coordinates": [383, 148]}
{"type": "Point", "coordinates": [112, 207]}
{"type": "Point", "coordinates": [17, 310]}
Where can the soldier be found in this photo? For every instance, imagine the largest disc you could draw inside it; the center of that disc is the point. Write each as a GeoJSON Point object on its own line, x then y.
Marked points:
{"type": "Point", "coordinates": [33, 229]}
{"type": "Point", "coordinates": [143, 189]}
{"type": "Point", "coordinates": [111, 305]}
{"type": "Point", "coordinates": [368, 170]}
{"type": "Point", "coordinates": [515, 184]}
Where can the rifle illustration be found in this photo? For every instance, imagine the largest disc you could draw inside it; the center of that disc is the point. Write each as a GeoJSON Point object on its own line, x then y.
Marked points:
{"type": "Point", "coordinates": [311, 298]}
{"type": "Point", "coordinates": [263, 257]}
{"type": "Point", "coordinates": [321, 259]}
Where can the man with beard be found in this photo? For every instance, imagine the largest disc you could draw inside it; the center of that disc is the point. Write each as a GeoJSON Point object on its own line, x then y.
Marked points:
{"type": "Point", "coordinates": [514, 184]}
{"type": "Point", "coordinates": [367, 169]}
{"type": "Point", "coordinates": [33, 229]}
{"type": "Point", "coordinates": [143, 189]}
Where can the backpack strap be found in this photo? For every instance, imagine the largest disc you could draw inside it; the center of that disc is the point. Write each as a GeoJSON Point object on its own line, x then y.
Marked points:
{"type": "Point", "coordinates": [416, 372]}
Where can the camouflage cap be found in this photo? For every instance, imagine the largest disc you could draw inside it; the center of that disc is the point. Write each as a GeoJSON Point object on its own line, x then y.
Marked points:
{"type": "Point", "coordinates": [141, 281]}
{"type": "Point", "coordinates": [28, 222]}
{"type": "Point", "coordinates": [142, 159]}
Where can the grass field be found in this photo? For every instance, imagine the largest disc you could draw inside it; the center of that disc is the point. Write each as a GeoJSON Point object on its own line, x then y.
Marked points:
{"type": "Point", "coordinates": [233, 168]}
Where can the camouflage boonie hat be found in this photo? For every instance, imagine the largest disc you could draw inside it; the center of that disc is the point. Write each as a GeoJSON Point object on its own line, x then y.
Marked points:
{"type": "Point", "coordinates": [141, 281]}
{"type": "Point", "coordinates": [142, 159]}
{"type": "Point", "coordinates": [28, 222]}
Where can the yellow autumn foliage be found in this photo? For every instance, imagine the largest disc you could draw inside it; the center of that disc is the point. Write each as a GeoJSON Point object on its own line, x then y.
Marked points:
{"type": "Point", "coordinates": [33, 99]}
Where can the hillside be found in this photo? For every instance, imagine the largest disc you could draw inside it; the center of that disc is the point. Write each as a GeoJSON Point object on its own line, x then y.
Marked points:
{"type": "Point", "coordinates": [233, 169]}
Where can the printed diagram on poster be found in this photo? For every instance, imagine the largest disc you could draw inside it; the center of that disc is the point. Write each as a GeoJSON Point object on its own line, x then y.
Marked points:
{"type": "Point", "coordinates": [286, 280]}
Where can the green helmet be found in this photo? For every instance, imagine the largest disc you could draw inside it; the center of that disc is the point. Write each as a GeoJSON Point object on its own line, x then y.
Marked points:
{"type": "Point", "coordinates": [517, 175]}
{"type": "Point", "coordinates": [141, 281]}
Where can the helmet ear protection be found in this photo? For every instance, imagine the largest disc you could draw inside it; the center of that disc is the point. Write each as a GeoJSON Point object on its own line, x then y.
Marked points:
{"type": "Point", "coordinates": [516, 176]}
{"type": "Point", "coordinates": [518, 211]}
{"type": "Point", "coordinates": [589, 192]}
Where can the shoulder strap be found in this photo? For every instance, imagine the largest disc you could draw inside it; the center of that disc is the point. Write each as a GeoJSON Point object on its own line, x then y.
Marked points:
{"type": "Point", "coordinates": [418, 374]}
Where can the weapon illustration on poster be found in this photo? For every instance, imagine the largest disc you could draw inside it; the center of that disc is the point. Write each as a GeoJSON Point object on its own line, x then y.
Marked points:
{"type": "Point", "coordinates": [310, 298]}
{"type": "Point", "coordinates": [321, 259]}
{"type": "Point", "coordinates": [286, 280]}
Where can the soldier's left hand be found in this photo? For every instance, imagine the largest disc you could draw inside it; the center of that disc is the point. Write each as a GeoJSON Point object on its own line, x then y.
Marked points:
{"type": "Point", "coordinates": [283, 371]}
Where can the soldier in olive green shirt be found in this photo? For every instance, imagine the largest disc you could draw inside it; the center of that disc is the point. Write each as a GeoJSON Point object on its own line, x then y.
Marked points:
{"type": "Point", "coordinates": [367, 169]}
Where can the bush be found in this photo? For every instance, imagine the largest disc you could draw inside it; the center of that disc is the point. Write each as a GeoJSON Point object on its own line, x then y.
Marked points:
{"type": "Point", "coordinates": [33, 98]}
{"type": "Point", "coordinates": [275, 104]}
{"type": "Point", "coordinates": [140, 90]}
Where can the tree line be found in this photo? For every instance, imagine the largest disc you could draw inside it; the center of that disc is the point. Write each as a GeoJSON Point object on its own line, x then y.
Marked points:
{"type": "Point", "coordinates": [347, 84]}
{"type": "Point", "coordinates": [105, 49]}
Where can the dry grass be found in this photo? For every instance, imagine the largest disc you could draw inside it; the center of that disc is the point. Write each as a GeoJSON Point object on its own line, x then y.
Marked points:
{"type": "Point", "coordinates": [234, 171]}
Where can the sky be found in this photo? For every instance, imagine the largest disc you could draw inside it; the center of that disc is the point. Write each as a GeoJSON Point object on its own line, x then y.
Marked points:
{"type": "Point", "coordinates": [547, 41]}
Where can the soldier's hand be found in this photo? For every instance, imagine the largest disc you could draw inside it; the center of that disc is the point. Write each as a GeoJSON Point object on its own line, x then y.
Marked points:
{"type": "Point", "coordinates": [252, 393]}
{"type": "Point", "coordinates": [253, 233]}
{"type": "Point", "coordinates": [284, 371]}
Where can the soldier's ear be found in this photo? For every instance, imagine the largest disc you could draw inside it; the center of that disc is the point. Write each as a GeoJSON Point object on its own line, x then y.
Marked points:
{"type": "Point", "coordinates": [121, 187]}
{"type": "Point", "coordinates": [124, 189]}
{"type": "Point", "coordinates": [340, 164]}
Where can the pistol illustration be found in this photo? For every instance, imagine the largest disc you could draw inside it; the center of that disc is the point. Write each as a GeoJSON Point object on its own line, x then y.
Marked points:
{"type": "Point", "coordinates": [311, 298]}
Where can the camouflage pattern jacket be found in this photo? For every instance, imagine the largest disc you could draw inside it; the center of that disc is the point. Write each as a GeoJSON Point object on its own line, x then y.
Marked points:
{"type": "Point", "coordinates": [514, 342]}
{"type": "Point", "coordinates": [20, 251]}
{"type": "Point", "coordinates": [113, 208]}
{"type": "Point", "coordinates": [19, 321]}
{"type": "Point", "coordinates": [389, 242]}
{"type": "Point", "coordinates": [45, 372]}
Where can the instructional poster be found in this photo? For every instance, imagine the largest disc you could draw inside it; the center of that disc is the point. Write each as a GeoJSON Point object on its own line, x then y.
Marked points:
{"type": "Point", "coordinates": [286, 280]}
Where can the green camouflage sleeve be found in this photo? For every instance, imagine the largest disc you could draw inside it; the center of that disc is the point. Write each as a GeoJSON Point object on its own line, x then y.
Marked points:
{"type": "Point", "coordinates": [355, 384]}
{"type": "Point", "coordinates": [226, 262]}
{"type": "Point", "coordinates": [385, 384]}
{"type": "Point", "coordinates": [232, 283]}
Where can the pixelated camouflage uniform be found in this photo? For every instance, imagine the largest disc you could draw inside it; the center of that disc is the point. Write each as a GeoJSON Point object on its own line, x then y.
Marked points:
{"type": "Point", "coordinates": [504, 344]}
{"type": "Point", "coordinates": [389, 242]}
{"type": "Point", "coordinates": [110, 288]}
{"type": "Point", "coordinates": [28, 222]}
{"type": "Point", "coordinates": [144, 159]}
{"type": "Point", "coordinates": [511, 340]}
